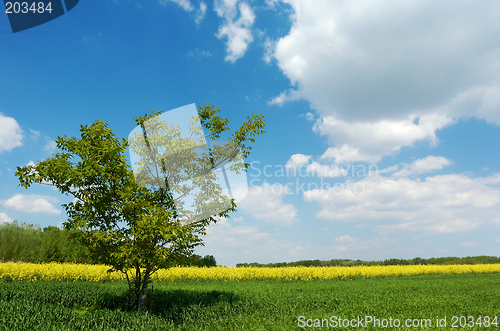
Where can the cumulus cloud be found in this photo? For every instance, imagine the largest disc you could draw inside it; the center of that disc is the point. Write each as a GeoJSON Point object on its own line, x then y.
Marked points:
{"type": "Point", "coordinates": [374, 58]}
{"type": "Point", "coordinates": [439, 204]}
{"type": "Point", "coordinates": [322, 170]}
{"type": "Point", "coordinates": [32, 204]}
{"type": "Point", "coordinates": [372, 68]}
{"type": "Point", "coordinates": [344, 238]}
{"type": "Point", "coordinates": [296, 161]}
{"type": "Point", "coordinates": [4, 218]}
{"type": "Point", "coordinates": [11, 135]}
{"type": "Point", "coordinates": [370, 141]}
{"type": "Point", "coordinates": [298, 165]}
{"type": "Point", "coordinates": [430, 163]}
{"type": "Point", "coordinates": [477, 102]}
{"type": "Point", "coordinates": [388, 169]}
{"type": "Point", "coordinates": [265, 203]}
{"type": "Point", "coordinates": [243, 243]}
{"type": "Point", "coordinates": [236, 29]}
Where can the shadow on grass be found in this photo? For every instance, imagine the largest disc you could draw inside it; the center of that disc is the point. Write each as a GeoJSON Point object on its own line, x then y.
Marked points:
{"type": "Point", "coordinates": [173, 305]}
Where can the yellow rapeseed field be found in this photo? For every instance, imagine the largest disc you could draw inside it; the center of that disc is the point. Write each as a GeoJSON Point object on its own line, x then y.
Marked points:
{"type": "Point", "coordinates": [10, 271]}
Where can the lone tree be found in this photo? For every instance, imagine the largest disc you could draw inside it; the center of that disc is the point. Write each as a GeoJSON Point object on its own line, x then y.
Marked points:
{"type": "Point", "coordinates": [126, 220]}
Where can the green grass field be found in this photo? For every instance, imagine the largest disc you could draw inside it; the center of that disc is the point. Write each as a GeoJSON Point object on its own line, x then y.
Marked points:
{"type": "Point", "coordinates": [251, 305]}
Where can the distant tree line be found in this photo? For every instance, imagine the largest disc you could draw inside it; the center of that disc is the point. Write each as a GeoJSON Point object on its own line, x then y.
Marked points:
{"type": "Point", "coordinates": [23, 242]}
{"type": "Point", "coordinates": [197, 261]}
{"type": "Point", "coordinates": [347, 262]}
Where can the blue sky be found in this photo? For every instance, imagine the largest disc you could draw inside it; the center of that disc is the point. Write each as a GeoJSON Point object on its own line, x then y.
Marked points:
{"type": "Point", "coordinates": [409, 90]}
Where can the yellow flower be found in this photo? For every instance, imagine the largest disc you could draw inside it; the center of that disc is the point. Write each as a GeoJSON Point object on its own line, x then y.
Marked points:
{"type": "Point", "coordinates": [97, 273]}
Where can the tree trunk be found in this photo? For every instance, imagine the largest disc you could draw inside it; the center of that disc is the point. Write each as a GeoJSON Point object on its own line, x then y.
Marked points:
{"type": "Point", "coordinates": [143, 294]}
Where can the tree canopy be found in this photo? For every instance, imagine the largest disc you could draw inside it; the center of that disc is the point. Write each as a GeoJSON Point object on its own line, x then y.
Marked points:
{"type": "Point", "coordinates": [126, 222]}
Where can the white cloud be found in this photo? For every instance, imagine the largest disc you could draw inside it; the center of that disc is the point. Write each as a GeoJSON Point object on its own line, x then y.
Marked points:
{"type": "Point", "coordinates": [477, 102]}
{"type": "Point", "coordinates": [268, 50]}
{"type": "Point", "coordinates": [310, 116]}
{"type": "Point", "coordinates": [243, 243]}
{"type": "Point", "coordinates": [188, 6]}
{"type": "Point", "coordinates": [200, 13]}
{"type": "Point", "coordinates": [370, 141]}
{"type": "Point", "coordinates": [322, 170]}
{"type": "Point", "coordinates": [344, 238]}
{"type": "Point", "coordinates": [283, 97]}
{"type": "Point", "coordinates": [388, 169]}
{"type": "Point", "coordinates": [371, 68]}
{"type": "Point", "coordinates": [237, 31]}
{"type": "Point", "coordinates": [185, 4]}
{"type": "Point", "coordinates": [265, 203]}
{"type": "Point", "coordinates": [297, 161]}
{"type": "Point", "coordinates": [430, 163]}
{"type": "Point", "coordinates": [374, 58]}
{"type": "Point", "coordinates": [295, 167]}
{"type": "Point", "coordinates": [35, 134]}
{"type": "Point", "coordinates": [347, 154]}
{"type": "Point", "coordinates": [32, 204]}
{"type": "Point", "coordinates": [4, 218]}
{"type": "Point", "coordinates": [440, 204]}
{"type": "Point", "coordinates": [50, 146]}
{"type": "Point", "coordinates": [11, 135]}
{"type": "Point", "coordinates": [271, 3]}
